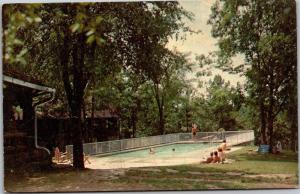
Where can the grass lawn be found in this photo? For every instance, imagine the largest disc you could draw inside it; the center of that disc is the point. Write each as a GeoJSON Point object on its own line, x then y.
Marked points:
{"type": "Point", "coordinates": [249, 170]}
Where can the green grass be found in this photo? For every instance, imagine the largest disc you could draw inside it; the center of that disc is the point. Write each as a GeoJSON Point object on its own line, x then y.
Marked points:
{"type": "Point", "coordinates": [249, 170]}
{"type": "Point", "coordinates": [254, 163]}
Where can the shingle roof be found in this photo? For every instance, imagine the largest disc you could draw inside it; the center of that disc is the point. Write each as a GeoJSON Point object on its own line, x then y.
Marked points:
{"type": "Point", "coordinates": [13, 71]}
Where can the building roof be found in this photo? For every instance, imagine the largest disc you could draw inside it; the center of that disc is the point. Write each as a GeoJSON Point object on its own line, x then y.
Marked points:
{"type": "Point", "coordinates": [16, 76]}
{"type": "Point", "coordinates": [103, 114]}
{"type": "Point", "coordinates": [13, 71]}
{"type": "Point", "coordinates": [64, 115]}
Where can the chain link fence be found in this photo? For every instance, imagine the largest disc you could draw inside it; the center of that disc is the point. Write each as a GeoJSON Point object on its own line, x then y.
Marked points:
{"type": "Point", "coordinates": [232, 137]}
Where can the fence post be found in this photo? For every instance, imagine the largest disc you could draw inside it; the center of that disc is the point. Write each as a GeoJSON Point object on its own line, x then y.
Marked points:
{"type": "Point", "coordinates": [96, 149]}
{"type": "Point", "coordinates": [109, 146]}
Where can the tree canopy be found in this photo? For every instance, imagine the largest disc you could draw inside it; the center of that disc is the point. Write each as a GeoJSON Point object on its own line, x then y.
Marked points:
{"type": "Point", "coordinates": [261, 31]}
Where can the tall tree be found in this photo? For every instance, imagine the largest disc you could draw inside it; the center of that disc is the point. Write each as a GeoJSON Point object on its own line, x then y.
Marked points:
{"type": "Point", "coordinates": [172, 67]}
{"type": "Point", "coordinates": [77, 40]}
{"type": "Point", "coordinates": [265, 32]}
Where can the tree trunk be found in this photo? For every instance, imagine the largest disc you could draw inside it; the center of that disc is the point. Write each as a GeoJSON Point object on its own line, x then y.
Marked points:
{"type": "Point", "coordinates": [92, 118]}
{"type": "Point", "coordinates": [160, 106]}
{"type": "Point", "coordinates": [78, 93]}
{"type": "Point", "coordinates": [294, 130]}
{"type": "Point", "coordinates": [75, 90]}
{"type": "Point", "coordinates": [93, 111]}
{"type": "Point", "coordinates": [263, 123]}
{"type": "Point", "coordinates": [133, 120]}
{"type": "Point", "coordinates": [161, 120]}
{"type": "Point", "coordinates": [293, 114]}
{"type": "Point", "coordinates": [84, 126]}
{"type": "Point", "coordinates": [270, 129]}
{"type": "Point", "coordinates": [270, 111]}
{"type": "Point", "coordinates": [186, 118]}
{"type": "Point", "coordinates": [78, 160]}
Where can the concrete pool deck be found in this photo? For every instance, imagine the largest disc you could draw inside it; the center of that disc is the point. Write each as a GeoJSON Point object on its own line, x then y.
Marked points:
{"type": "Point", "coordinates": [193, 157]}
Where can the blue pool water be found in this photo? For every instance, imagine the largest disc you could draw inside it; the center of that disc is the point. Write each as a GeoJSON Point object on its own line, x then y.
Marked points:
{"type": "Point", "coordinates": [163, 151]}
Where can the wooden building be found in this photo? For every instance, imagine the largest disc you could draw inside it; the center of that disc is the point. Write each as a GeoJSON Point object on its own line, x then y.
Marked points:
{"type": "Point", "coordinates": [56, 129]}
{"type": "Point", "coordinates": [21, 95]}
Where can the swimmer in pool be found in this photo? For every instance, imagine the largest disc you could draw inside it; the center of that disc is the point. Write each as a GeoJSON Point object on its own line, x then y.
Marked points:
{"type": "Point", "coordinates": [151, 151]}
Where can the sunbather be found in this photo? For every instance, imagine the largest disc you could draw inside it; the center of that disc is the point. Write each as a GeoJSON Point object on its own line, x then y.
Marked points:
{"type": "Point", "coordinates": [216, 158]}
{"type": "Point", "coordinates": [59, 156]}
{"type": "Point", "coordinates": [224, 146]}
{"type": "Point", "coordinates": [86, 158]}
{"type": "Point", "coordinates": [221, 155]}
{"type": "Point", "coordinates": [209, 159]}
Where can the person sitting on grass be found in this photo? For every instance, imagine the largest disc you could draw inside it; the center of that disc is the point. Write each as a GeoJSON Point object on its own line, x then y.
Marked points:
{"type": "Point", "coordinates": [57, 154]}
{"type": "Point", "coordinates": [278, 147]}
{"type": "Point", "coordinates": [209, 159]}
{"type": "Point", "coordinates": [221, 155]}
{"type": "Point", "coordinates": [216, 158]}
{"type": "Point", "coordinates": [86, 158]}
{"type": "Point", "coordinates": [224, 146]}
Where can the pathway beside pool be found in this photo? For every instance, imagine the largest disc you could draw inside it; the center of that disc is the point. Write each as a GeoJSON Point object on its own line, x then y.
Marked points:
{"type": "Point", "coordinates": [115, 162]}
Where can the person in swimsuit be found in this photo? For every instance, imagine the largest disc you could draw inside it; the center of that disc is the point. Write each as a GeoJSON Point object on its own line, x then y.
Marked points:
{"type": "Point", "coordinates": [221, 155]}
{"type": "Point", "coordinates": [151, 151]}
{"type": "Point", "coordinates": [216, 158]}
{"type": "Point", "coordinates": [209, 159]}
{"type": "Point", "coordinates": [194, 130]}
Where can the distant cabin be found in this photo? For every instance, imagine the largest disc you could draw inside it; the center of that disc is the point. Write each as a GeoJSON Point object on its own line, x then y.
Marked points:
{"type": "Point", "coordinates": [57, 129]}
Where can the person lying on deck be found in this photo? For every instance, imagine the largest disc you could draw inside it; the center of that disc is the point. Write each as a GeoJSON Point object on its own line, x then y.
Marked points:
{"type": "Point", "coordinates": [69, 158]}
{"type": "Point", "coordinates": [209, 159]}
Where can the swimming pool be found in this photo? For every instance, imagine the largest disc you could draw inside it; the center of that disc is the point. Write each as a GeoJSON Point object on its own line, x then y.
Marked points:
{"type": "Point", "coordinates": [164, 150]}
{"type": "Point", "coordinates": [185, 153]}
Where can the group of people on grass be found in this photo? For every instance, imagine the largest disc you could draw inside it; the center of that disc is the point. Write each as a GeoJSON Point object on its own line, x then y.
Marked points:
{"type": "Point", "coordinates": [218, 156]}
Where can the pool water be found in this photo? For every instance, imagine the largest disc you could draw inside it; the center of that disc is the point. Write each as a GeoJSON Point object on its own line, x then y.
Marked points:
{"type": "Point", "coordinates": [167, 150]}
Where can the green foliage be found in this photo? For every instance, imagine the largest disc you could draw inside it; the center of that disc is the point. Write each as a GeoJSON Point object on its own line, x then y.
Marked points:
{"type": "Point", "coordinates": [114, 56]}
{"type": "Point", "coordinates": [82, 44]}
{"type": "Point", "coordinates": [15, 19]}
{"type": "Point", "coordinates": [222, 107]}
{"type": "Point", "coordinates": [265, 33]}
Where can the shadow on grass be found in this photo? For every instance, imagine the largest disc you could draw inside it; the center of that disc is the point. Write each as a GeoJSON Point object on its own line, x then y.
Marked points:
{"type": "Point", "coordinates": [182, 177]}
{"type": "Point", "coordinates": [286, 156]}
